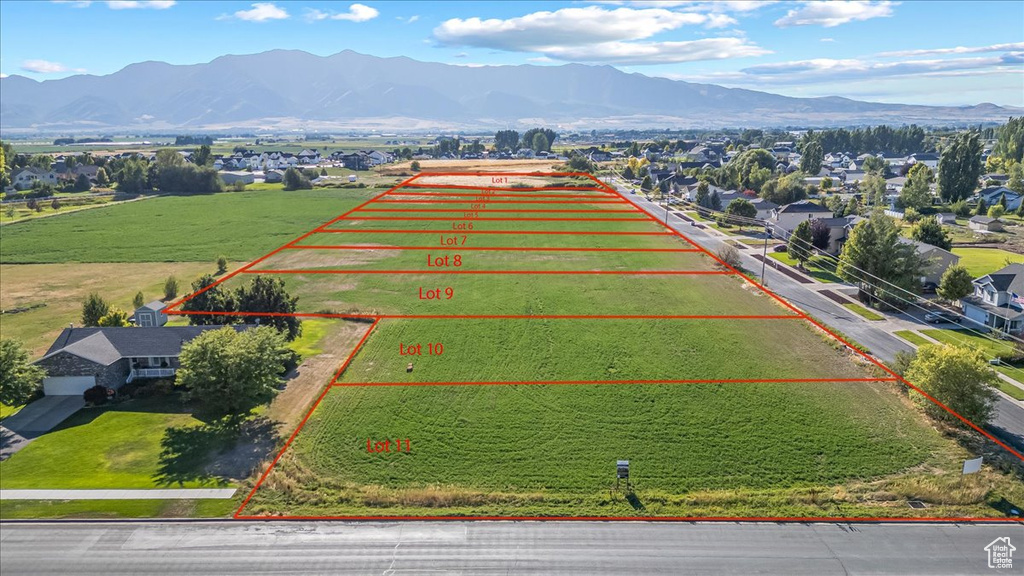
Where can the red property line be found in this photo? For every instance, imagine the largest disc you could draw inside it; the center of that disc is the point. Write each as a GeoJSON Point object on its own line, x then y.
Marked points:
{"type": "Point", "coordinates": [456, 194]}
{"type": "Point", "coordinates": [501, 272]}
{"type": "Point", "coordinates": [449, 219]}
{"type": "Point", "coordinates": [227, 277]}
{"type": "Point", "coordinates": [617, 382]}
{"type": "Point", "coordinates": [489, 201]}
{"type": "Point", "coordinates": [305, 418]}
{"type": "Point", "coordinates": [485, 248]}
{"type": "Point", "coordinates": [490, 316]}
{"type": "Point", "coordinates": [460, 232]}
{"type": "Point", "coordinates": [485, 174]}
{"type": "Point", "coordinates": [502, 188]}
{"type": "Point", "coordinates": [867, 357]}
{"type": "Point", "coordinates": [512, 210]}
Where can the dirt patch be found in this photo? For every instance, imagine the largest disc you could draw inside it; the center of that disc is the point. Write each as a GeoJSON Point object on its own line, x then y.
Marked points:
{"type": "Point", "coordinates": [306, 259]}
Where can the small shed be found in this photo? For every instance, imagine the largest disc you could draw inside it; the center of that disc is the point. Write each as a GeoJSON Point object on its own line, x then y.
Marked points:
{"type": "Point", "coordinates": [150, 315]}
{"type": "Point", "coordinates": [985, 224]}
{"type": "Point", "coordinates": [946, 219]}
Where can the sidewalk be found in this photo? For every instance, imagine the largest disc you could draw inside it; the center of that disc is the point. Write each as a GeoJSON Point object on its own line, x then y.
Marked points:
{"type": "Point", "coordinates": [143, 494]}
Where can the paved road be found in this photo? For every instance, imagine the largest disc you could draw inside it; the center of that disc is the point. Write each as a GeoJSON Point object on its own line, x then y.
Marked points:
{"type": "Point", "coordinates": [1009, 421]}
{"type": "Point", "coordinates": [500, 547]}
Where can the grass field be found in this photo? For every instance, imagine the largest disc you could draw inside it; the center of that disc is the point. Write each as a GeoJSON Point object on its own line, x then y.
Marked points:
{"type": "Point", "coordinates": [913, 337]}
{"type": "Point", "coordinates": [981, 261]}
{"type": "Point", "coordinates": [821, 269]}
{"type": "Point", "coordinates": [15, 509]}
{"type": "Point", "coordinates": [993, 348]}
{"type": "Point", "coordinates": [107, 447]}
{"type": "Point", "coordinates": [239, 225]}
{"type": "Point", "coordinates": [863, 312]}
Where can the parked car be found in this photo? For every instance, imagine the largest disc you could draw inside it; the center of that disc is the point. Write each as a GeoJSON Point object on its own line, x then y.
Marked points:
{"type": "Point", "coordinates": [940, 317]}
{"type": "Point", "coordinates": [929, 288]}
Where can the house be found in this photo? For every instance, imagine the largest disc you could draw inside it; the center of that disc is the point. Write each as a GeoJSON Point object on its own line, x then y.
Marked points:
{"type": "Point", "coordinates": [595, 154]}
{"type": "Point", "coordinates": [985, 224]}
{"type": "Point", "coordinates": [785, 219]}
{"type": "Point", "coordinates": [273, 176]}
{"type": "Point", "coordinates": [25, 178]}
{"type": "Point", "coordinates": [150, 315]}
{"type": "Point", "coordinates": [81, 358]}
{"type": "Point", "coordinates": [993, 194]}
{"type": "Point", "coordinates": [309, 156]}
{"type": "Point", "coordinates": [764, 207]}
{"type": "Point", "coordinates": [936, 260]}
{"type": "Point", "coordinates": [946, 219]}
{"type": "Point", "coordinates": [1000, 178]}
{"type": "Point", "coordinates": [930, 160]}
{"type": "Point", "coordinates": [90, 171]}
{"type": "Point", "coordinates": [997, 301]}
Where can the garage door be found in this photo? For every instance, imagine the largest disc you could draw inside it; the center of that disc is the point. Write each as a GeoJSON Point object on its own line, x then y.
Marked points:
{"type": "Point", "coordinates": [67, 385]}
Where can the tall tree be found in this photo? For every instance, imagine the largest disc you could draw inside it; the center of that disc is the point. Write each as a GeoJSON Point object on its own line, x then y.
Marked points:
{"type": "Point", "coordinates": [229, 372]}
{"type": "Point", "coordinates": [268, 295]}
{"type": "Point", "coordinates": [810, 161]}
{"type": "Point", "coordinates": [115, 318]}
{"type": "Point", "coordinates": [19, 380]}
{"type": "Point", "coordinates": [94, 308]}
{"type": "Point", "coordinates": [540, 142]}
{"type": "Point", "coordinates": [821, 234]}
{"type": "Point", "coordinates": [1010, 140]}
{"type": "Point", "coordinates": [741, 211]}
{"type": "Point", "coordinates": [929, 231]}
{"type": "Point", "coordinates": [801, 243]}
{"type": "Point", "coordinates": [916, 192]}
{"type": "Point", "coordinates": [875, 259]}
{"type": "Point", "coordinates": [956, 283]}
{"type": "Point", "coordinates": [960, 167]}
{"type": "Point", "coordinates": [202, 156]}
{"type": "Point", "coordinates": [209, 298]}
{"type": "Point", "coordinates": [958, 377]}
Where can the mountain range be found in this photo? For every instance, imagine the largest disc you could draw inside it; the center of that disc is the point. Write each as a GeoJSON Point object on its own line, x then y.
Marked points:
{"type": "Point", "coordinates": [291, 89]}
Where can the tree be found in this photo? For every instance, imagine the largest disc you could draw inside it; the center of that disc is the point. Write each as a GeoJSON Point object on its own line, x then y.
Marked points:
{"type": "Point", "coordinates": [875, 259]}
{"type": "Point", "coordinates": [1010, 140]}
{"type": "Point", "coordinates": [139, 301]}
{"type": "Point", "coordinates": [267, 295]}
{"type": "Point", "coordinates": [55, 204]}
{"type": "Point", "coordinates": [415, 166]}
{"type": "Point", "coordinates": [646, 184]}
{"type": "Point", "coordinates": [751, 169]}
{"type": "Point", "coordinates": [202, 156]}
{"type": "Point", "coordinates": [982, 208]}
{"type": "Point", "coordinates": [33, 204]}
{"type": "Point", "coordinates": [810, 161]}
{"type": "Point", "coordinates": [916, 192]}
{"type": "Point", "coordinates": [115, 318]}
{"type": "Point", "coordinates": [874, 165]}
{"type": "Point", "coordinates": [1016, 182]}
{"type": "Point", "coordinates": [785, 190]}
{"type": "Point", "coordinates": [170, 288]}
{"type": "Point", "coordinates": [715, 202]}
{"type": "Point", "coordinates": [958, 377]}
{"type": "Point", "coordinates": [529, 138]}
{"type": "Point", "coordinates": [208, 296]}
{"type": "Point", "coordinates": [230, 372]}
{"type": "Point", "coordinates": [82, 183]}
{"type": "Point", "coordinates": [826, 184]}
{"type": "Point", "coordinates": [821, 234]}
{"type": "Point", "coordinates": [956, 283]}
{"type": "Point", "coordinates": [295, 180]}
{"type": "Point", "coordinates": [540, 142]}
{"type": "Point", "coordinates": [741, 211]}
{"type": "Point", "coordinates": [929, 231]}
{"type": "Point", "coordinates": [996, 211]}
{"type": "Point", "coordinates": [960, 167]}
{"type": "Point", "coordinates": [852, 207]}
{"type": "Point", "coordinates": [132, 177]}
{"type": "Point", "coordinates": [873, 188]}
{"type": "Point", "coordinates": [506, 140]}
{"type": "Point", "coordinates": [222, 265]}
{"type": "Point", "coordinates": [703, 192]}
{"type": "Point", "coordinates": [94, 308]}
{"type": "Point", "coordinates": [800, 243]}
{"type": "Point", "coordinates": [20, 381]}
{"type": "Point", "coordinates": [627, 173]}
{"type": "Point", "coordinates": [102, 180]}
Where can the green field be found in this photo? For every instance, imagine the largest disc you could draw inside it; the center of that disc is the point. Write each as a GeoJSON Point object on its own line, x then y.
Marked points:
{"type": "Point", "coordinates": [863, 312]}
{"type": "Point", "coordinates": [981, 261]}
{"type": "Point", "coordinates": [488, 439]}
{"type": "Point", "coordinates": [913, 337]}
{"type": "Point", "coordinates": [239, 225]}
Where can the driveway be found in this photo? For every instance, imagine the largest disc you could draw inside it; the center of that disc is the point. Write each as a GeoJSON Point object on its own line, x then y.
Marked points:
{"type": "Point", "coordinates": [34, 420]}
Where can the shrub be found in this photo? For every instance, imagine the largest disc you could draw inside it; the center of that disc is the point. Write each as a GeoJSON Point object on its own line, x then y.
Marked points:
{"type": "Point", "coordinates": [222, 265]}
{"type": "Point", "coordinates": [96, 395]}
{"type": "Point", "coordinates": [170, 288]}
{"type": "Point", "coordinates": [415, 166]}
{"type": "Point", "coordinates": [730, 255]}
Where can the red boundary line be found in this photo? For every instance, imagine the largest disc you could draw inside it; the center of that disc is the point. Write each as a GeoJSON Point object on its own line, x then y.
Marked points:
{"type": "Point", "coordinates": [385, 247]}
{"type": "Point", "coordinates": [800, 314]}
{"type": "Point", "coordinates": [448, 219]}
{"type": "Point", "coordinates": [489, 201]}
{"type": "Point", "coordinates": [457, 195]}
{"type": "Point", "coordinates": [616, 382]}
{"type": "Point", "coordinates": [513, 211]}
{"type": "Point", "coordinates": [492, 316]}
{"type": "Point", "coordinates": [555, 232]}
{"type": "Point", "coordinates": [500, 272]}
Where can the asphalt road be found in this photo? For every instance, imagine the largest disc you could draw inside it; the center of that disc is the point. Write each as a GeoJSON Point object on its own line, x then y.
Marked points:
{"type": "Point", "coordinates": [240, 547]}
{"type": "Point", "coordinates": [1008, 424]}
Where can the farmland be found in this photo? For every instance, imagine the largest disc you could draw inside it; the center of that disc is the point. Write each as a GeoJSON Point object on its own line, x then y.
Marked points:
{"type": "Point", "coordinates": [733, 407]}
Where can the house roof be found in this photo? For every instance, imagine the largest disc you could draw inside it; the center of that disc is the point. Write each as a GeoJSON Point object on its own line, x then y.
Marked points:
{"type": "Point", "coordinates": [920, 157]}
{"type": "Point", "coordinates": [108, 345]}
{"type": "Point", "coordinates": [803, 206]}
{"type": "Point", "coordinates": [925, 249]}
{"type": "Point", "coordinates": [155, 305]}
{"type": "Point", "coordinates": [983, 219]}
{"type": "Point", "coordinates": [1010, 277]}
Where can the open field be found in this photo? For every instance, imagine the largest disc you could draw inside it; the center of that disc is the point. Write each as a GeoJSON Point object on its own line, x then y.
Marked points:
{"type": "Point", "coordinates": [981, 261]}
{"type": "Point", "coordinates": [472, 166]}
{"type": "Point", "coordinates": [54, 293]}
{"type": "Point", "coordinates": [238, 225]}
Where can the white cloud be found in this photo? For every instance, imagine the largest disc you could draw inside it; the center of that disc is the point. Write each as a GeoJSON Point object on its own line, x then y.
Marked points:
{"type": "Point", "coordinates": [1015, 46]}
{"type": "Point", "coordinates": [74, 3]}
{"type": "Point", "coordinates": [260, 12]}
{"type": "Point", "coordinates": [47, 67]}
{"type": "Point", "coordinates": [835, 12]}
{"type": "Point", "coordinates": [826, 40]}
{"type": "Point", "coordinates": [2, 75]}
{"type": "Point", "coordinates": [639, 53]}
{"type": "Point", "coordinates": [132, 4]}
{"type": "Point", "coordinates": [356, 13]}
{"type": "Point", "coordinates": [412, 18]}
{"type": "Point", "coordinates": [698, 5]}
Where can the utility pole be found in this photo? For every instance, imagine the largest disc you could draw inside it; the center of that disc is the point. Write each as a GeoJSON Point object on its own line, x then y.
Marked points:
{"type": "Point", "coordinates": [764, 256]}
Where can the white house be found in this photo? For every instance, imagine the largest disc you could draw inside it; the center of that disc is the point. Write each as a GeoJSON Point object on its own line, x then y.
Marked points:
{"type": "Point", "coordinates": [785, 219]}
{"type": "Point", "coordinates": [927, 158]}
{"type": "Point", "coordinates": [232, 177]}
{"type": "Point", "coordinates": [25, 178]}
{"type": "Point", "coordinates": [998, 300]}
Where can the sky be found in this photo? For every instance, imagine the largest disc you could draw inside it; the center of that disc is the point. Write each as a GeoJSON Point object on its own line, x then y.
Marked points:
{"type": "Point", "coordinates": [917, 52]}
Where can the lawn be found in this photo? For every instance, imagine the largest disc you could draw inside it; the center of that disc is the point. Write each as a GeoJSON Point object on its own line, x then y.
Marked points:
{"type": "Point", "coordinates": [108, 447]}
{"type": "Point", "coordinates": [820, 268]}
{"type": "Point", "coordinates": [239, 225]}
{"type": "Point", "coordinates": [14, 509]}
{"type": "Point", "coordinates": [913, 337]}
{"type": "Point", "coordinates": [992, 347]}
{"type": "Point", "coordinates": [6, 410]}
{"type": "Point", "coordinates": [863, 312]}
{"type": "Point", "coordinates": [981, 261]}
